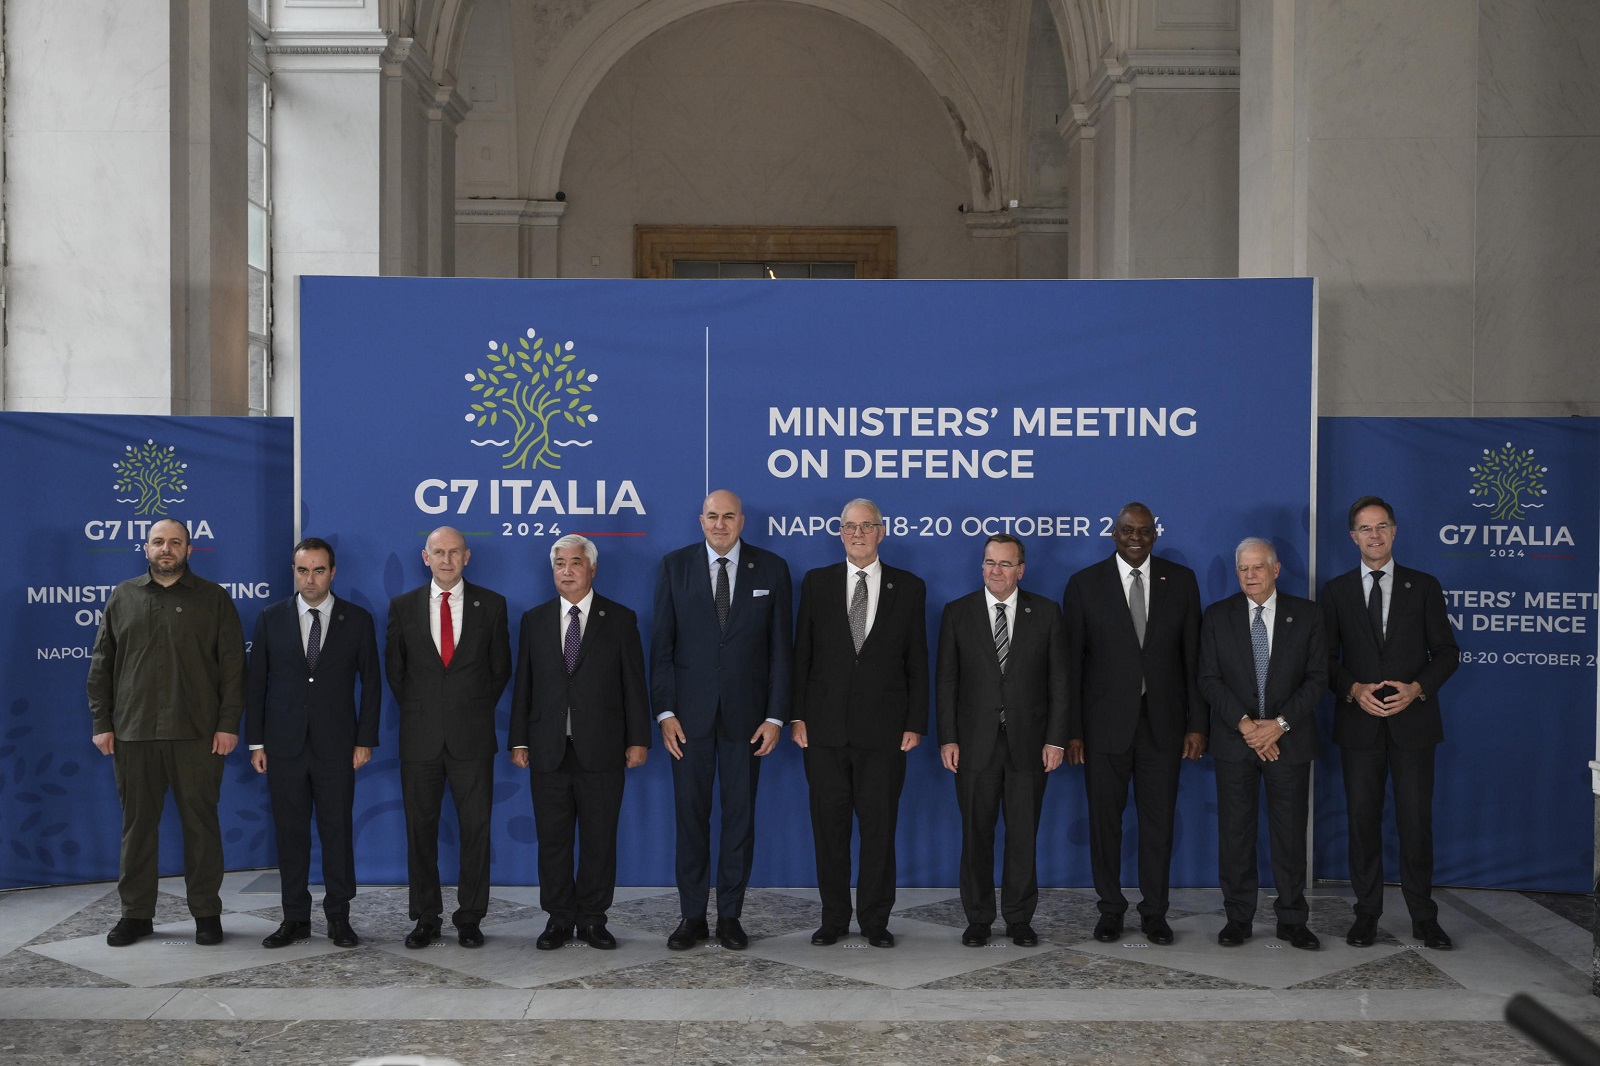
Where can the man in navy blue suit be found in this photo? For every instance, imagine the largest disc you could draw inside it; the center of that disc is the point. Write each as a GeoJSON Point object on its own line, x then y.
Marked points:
{"type": "Point", "coordinates": [310, 654]}
{"type": "Point", "coordinates": [719, 686]}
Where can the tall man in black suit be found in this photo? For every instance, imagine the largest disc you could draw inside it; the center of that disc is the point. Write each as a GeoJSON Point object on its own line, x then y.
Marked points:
{"type": "Point", "coordinates": [580, 718]}
{"type": "Point", "coordinates": [1391, 647]}
{"type": "Point", "coordinates": [448, 658]}
{"type": "Point", "coordinates": [1263, 665]}
{"type": "Point", "coordinates": [719, 686]}
{"type": "Point", "coordinates": [310, 653]}
{"type": "Point", "coordinates": [1001, 694]}
{"type": "Point", "coordinates": [860, 703]}
{"type": "Point", "coordinates": [1133, 645]}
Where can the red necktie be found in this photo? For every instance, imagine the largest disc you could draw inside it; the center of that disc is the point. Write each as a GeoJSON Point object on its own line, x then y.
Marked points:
{"type": "Point", "coordinates": [447, 630]}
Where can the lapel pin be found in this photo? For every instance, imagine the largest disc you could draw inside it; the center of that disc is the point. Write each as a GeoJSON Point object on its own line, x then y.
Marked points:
{"type": "Point", "coordinates": [1027, 610]}
{"type": "Point", "coordinates": [602, 614]}
{"type": "Point", "coordinates": [890, 585]}
{"type": "Point", "coordinates": [1408, 584]}
{"type": "Point", "coordinates": [1288, 618]}
{"type": "Point", "coordinates": [749, 566]}
{"type": "Point", "coordinates": [474, 603]}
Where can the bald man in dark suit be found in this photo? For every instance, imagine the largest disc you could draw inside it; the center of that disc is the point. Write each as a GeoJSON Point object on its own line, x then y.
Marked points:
{"type": "Point", "coordinates": [1133, 646]}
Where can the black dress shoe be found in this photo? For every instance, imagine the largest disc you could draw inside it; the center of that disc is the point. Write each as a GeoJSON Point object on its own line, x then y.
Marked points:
{"type": "Point", "coordinates": [286, 934]}
{"type": "Point", "coordinates": [597, 936]}
{"type": "Point", "coordinates": [731, 935]}
{"type": "Point", "coordinates": [341, 934]}
{"type": "Point", "coordinates": [128, 930]}
{"type": "Point", "coordinates": [1156, 930]}
{"type": "Point", "coordinates": [880, 938]}
{"type": "Point", "coordinates": [208, 931]}
{"type": "Point", "coordinates": [1235, 933]}
{"type": "Point", "coordinates": [1430, 934]}
{"type": "Point", "coordinates": [975, 936]}
{"type": "Point", "coordinates": [690, 931]}
{"type": "Point", "coordinates": [1022, 935]}
{"type": "Point", "coordinates": [424, 934]}
{"type": "Point", "coordinates": [555, 934]}
{"type": "Point", "coordinates": [1108, 928]}
{"type": "Point", "coordinates": [469, 935]}
{"type": "Point", "coordinates": [825, 937]}
{"type": "Point", "coordinates": [1362, 932]}
{"type": "Point", "coordinates": [1298, 936]}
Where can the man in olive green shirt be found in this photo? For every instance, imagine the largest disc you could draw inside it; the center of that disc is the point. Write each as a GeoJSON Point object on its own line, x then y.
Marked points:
{"type": "Point", "coordinates": [166, 689]}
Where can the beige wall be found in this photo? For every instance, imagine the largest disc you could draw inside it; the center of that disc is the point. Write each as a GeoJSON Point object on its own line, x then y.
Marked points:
{"type": "Point", "coordinates": [767, 115]}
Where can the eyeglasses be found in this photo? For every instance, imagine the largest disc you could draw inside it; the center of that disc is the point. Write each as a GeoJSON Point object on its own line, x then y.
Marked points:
{"type": "Point", "coordinates": [852, 528]}
{"type": "Point", "coordinates": [1001, 565]}
{"type": "Point", "coordinates": [1381, 527]}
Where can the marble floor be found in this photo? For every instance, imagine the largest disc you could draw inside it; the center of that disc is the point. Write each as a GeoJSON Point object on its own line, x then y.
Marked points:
{"type": "Point", "coordinates": [65, 997]}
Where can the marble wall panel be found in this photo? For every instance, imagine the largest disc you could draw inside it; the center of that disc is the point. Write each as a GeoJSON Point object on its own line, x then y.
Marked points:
{"type": "Point", "coordinates": [88, 285]}
{"type": "Point", "coordinates": [1377, 68]}
{"type": "Point", "coordinates": [61, 74]}
{"type": "Point", "coordinates": [1537, 68]}
{"type": "Point", "coordinates": [1185, 177]}
{"type": "Point", "coordinates": [1538, 272]}
{"type": "Point", "coordinates": [1390, 237]}
{"type": "Point", "coordinates": [326, 162]}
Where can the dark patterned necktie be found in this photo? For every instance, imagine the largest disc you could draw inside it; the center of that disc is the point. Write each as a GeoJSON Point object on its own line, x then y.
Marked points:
{"type": "Point", "coordinates": [574, 637]}
{"type": "Point", "coordinates": [724, 598]}
{"type": "Point", "coordinates": [314, 641]}
{"type": "Point", "coordinates": [1002, 636]}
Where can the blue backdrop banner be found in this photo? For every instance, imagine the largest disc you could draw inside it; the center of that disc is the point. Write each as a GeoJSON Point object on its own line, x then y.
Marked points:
{"type": "Point", "coordinates": [95, 484]}
{"type": "Point", "coordinates": [1506, 513]}
{"type": "Point", "coordinates": [519, 410]}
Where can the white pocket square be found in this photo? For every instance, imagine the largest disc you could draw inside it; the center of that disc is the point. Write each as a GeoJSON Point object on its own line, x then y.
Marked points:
{"type": "Point", "coordinates": [760, 592]}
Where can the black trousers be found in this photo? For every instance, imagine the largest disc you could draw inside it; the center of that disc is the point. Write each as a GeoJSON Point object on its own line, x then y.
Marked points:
{"type": "Point", "coordinates": [422, 784]}
{"type": "Point", "coordinates": [981, 793]}
{"type": "Point", "coordinates": [302, 786]}
{"type": "Point", "coordinates": [1411, 770]}
{"type": "Point", "coordinates": [864, 786]}
{"type": "Point", "coordinates": [570, 803]}
{"type": "Point", "coordinates": [1153, 770]}
{"type": "Point", "coordinates": [732, 762]}
{"type": "Point", "coordinates": [1288, 788]}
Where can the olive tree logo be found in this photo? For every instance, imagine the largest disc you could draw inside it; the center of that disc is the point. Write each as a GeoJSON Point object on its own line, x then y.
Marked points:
{"type": "Point", "coordinates": [151, 471]}
{"type": "Point", "coordinates": [1502, 479]}
{"type": "Point", "coordinates": [537, 390]}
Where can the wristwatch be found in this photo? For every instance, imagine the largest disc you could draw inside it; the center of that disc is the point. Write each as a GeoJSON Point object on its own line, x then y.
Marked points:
{"type": "Point", "coordinates": [1283, 723]}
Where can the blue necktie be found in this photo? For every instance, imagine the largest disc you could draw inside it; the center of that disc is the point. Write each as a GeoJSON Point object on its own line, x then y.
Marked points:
{"type": "Point", "coordinates": [1263, 652]}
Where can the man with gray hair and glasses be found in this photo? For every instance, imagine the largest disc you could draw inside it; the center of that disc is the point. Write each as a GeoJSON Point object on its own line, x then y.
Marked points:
{"type": "Point", "coordinates": [860, 703]}
{"type": "Point", "coordinates": [1263, 665]}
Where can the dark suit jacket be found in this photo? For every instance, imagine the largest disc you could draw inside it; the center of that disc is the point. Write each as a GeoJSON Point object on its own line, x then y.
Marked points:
{"type": "Point", "coordinates": [289, 706]}
{"type": "Point", "coordinates": [871, 699]}
{"type": "Point", "coordinates": [1106, 661]}
{"type": "Point", "coordinates": [695, 668]}
{"type": "Point", "coordinates": [1296, 675]}
{"type": "Point", "coordinates": [448, 711]}
{"type": "Point", "coordinates": [970, 690]}
{"type": "Point", "coordinates": [606, 691]}
{"type": "Point", "coordinates": [1420, 647]}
